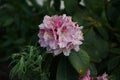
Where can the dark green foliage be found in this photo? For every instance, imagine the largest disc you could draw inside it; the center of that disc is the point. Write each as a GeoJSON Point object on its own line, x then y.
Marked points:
{"type": "Point", "coordinates": [71, 6]}
{"type": "Point", "coordinates": [19, 27]}
{"type": "Point", "coordinates": [94, 6]}
{"type": "Point", "coordinates": [29, 65]}
{"type": "Point", "coordinates": [25, 62]}
{"type": "Point", "coordinates": [65, 71]}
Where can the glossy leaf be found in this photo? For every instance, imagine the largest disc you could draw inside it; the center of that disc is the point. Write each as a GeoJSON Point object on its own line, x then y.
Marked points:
{"type": "Point", "coordinates": [80, 61]}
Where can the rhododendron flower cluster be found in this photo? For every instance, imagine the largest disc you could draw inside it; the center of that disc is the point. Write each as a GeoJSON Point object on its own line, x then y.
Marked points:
{"type": "Point", "coordinates": [59, 34]}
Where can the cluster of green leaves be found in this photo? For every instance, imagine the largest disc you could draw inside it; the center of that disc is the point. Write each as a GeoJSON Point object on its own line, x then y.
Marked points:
{"type": "Point", "coordinates": [101, 20]}
{"type": "Point", "coordinates": [29, 64]}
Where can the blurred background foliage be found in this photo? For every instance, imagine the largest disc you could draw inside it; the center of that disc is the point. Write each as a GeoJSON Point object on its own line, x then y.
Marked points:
{"type": "Point", "coordinates": [19, 20]}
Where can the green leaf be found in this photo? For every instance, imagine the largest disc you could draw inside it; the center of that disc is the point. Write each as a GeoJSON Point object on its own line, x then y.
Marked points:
{"type": "Point", "coordinates": [102, 31]}
{"type": "Point", "coordinates": [71, 6]}
{"type": "Point", "coordinates": [26, 9]}
{"type": "Point", "coordinates": [101, 45]}
{"type": "Point", "coordinates": [93, 70]}
{"type": "Point", "coordinates": [95, 6]}
{"type": "Point", "coordinates": [14, 71]}
{"type": "Point", "coordinates": [18, 68]}
{"type": "Point", "coordinates": [65, 71]}
{"type": "Point", "coordinates": [113, 11]}
{"type": "Point", "coordinates": [92, 52]}
{"type": "Point", "coordinates": [21, 66]}
{"type": "Point", "coordinates": [115, 50]}
{"type": "Point", "coordinates": [95, 45]}
{"type": "Point", "coordinates": [116, 73]}
{"type": "Point", "coordinates": [81, 16]}
{"type": "Point", "coordinates": [8, 22]}
{"type": "Point", "coordinates": [113, 63]}
{"type": "Point", "coordinates": [80, 61]}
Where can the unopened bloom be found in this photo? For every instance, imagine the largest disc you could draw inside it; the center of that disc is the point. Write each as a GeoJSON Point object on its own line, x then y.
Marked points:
{"type": "Point", "coordinates": [59, 34]}
{"type": "Point", "coordinates": [86, 76]}
{"type": "Point", "coordinates": [103, 77]}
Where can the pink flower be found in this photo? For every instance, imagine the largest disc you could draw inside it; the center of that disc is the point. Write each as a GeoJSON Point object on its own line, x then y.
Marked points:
{"type": "Point", "coordinates": [59, 34]}
{"type": "Point", "coordinates": [103, 77]}
{"type": "Point", "coordinates": [86, 76]}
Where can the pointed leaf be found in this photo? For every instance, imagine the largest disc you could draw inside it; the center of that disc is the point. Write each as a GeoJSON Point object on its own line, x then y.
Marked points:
{"type": "Point", "coordinates": [80, 61]}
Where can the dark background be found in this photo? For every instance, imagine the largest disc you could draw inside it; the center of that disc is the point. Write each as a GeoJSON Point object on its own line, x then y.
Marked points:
{"type": "Point", "coordinates": [101, 20]}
